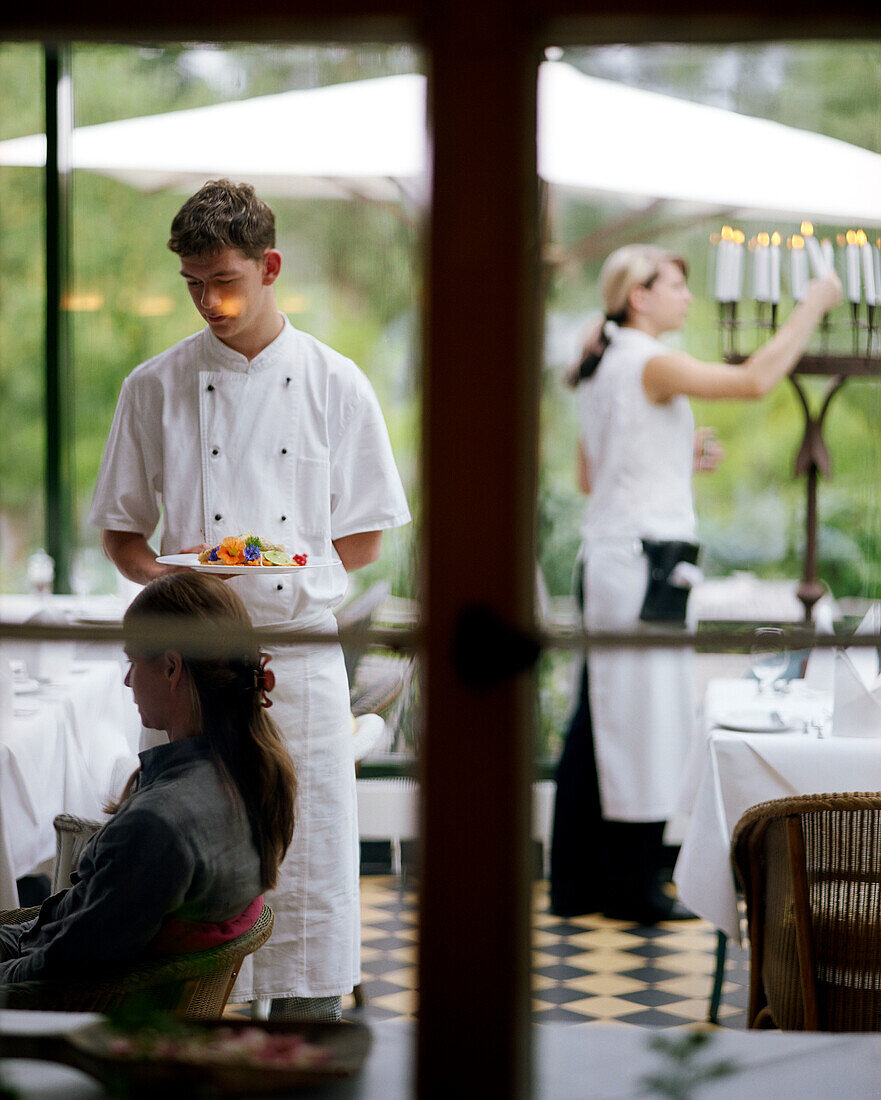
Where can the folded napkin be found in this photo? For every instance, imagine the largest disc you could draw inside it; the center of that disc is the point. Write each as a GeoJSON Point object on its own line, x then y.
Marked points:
{"type": "Point", "coordinates": [48, 660]}
{"type": "Point", "coordinates": [819, 674]}
{"type": "Point", "coordinates": [857, 690]}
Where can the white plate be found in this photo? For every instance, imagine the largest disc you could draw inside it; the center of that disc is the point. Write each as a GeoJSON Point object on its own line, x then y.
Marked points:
{"type": "Point", "coordinates": [24, 687]}
{"type": "Point", "coordinates": [191, 561]}
{"type": "Point", "coordinates": [757, 721]}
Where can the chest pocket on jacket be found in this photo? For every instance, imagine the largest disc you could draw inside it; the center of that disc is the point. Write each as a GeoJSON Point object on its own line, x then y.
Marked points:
{"type": "Point", "coordinates": [312, 497]}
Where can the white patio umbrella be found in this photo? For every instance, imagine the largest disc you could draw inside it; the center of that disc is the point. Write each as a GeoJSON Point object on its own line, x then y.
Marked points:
{"type": "Point", "coordinates": [368, 138]}
{"type": "Point", "coordinates": [608, 137]}
{"type": "Point", "coordinates": [363, 138]}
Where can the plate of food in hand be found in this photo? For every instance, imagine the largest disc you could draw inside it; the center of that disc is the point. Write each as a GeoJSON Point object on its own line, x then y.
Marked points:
{"type": "Point", "coordinates": [224, 1057]}
{"type": "Point", "coordinates": [241, 555]}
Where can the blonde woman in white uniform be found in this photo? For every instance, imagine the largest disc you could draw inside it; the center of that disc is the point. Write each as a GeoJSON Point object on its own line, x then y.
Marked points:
{"type": "Point", "coordinates": [636, 453]}
{"type": "Point", "coordinates": [250, 425]}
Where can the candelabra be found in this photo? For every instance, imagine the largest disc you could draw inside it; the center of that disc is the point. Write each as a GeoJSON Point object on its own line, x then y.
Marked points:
{"type": "Point", "coordinates": [848, 346]}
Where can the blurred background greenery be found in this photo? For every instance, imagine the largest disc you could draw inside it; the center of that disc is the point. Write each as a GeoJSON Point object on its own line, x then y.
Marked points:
{"type": "Point", "coordinates": [352, 276]}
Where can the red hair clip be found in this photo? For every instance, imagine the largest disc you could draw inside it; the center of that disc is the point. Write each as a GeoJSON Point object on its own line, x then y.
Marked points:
{"type": "Point", "coordinates": [265, 680]}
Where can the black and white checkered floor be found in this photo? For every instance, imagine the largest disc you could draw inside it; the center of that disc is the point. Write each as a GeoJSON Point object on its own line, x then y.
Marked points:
{"type": "Point", "coordinates": [584, 969]}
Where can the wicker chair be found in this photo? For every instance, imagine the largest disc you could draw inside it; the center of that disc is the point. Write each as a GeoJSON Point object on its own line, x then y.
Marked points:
{"type": "Point", "coordinates": [811, 874]}
{"type": "Point", "coordinates": [72, 834]}
{"type": "Point", "coordinates": [195, 986]}
{"type": "Point", "coordinates": [357, 614]}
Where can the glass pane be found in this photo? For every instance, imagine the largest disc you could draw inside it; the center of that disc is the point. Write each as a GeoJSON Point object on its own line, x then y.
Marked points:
{"type": "Point", "coordinates": [633, 163]}
{"type": "Point", "coordinates": [349, 211]}
{"type": "Point", "coordinates": [751, 510]}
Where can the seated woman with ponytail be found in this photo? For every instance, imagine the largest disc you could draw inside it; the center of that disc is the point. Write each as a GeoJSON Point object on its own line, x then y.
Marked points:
{"type": "Point", "coordinates": [202, 825]}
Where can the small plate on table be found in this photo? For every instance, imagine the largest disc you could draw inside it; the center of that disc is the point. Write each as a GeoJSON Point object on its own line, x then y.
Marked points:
{"type": "Point", "coordinates": [191, 561]}
{"type": "Point", "coordinates": [758, 721]}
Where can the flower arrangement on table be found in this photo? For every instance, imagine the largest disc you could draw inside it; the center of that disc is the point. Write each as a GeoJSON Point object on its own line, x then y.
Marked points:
{"type": "Point", "coordinates": [249, 549]}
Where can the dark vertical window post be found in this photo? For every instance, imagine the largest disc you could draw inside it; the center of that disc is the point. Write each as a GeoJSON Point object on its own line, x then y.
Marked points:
{"type": "Point", "coordinates": [480, 402]}
{"type": "Point", "coordinates": [59, 391]}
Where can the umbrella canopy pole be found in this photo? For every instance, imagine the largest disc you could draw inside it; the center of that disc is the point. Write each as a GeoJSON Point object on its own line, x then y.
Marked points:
{"type": "Point", "coordinates": [59, 393]}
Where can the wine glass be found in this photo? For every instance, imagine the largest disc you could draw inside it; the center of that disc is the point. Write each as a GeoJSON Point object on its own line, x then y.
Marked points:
{"type": "Point", "coordinates": [768, 656]}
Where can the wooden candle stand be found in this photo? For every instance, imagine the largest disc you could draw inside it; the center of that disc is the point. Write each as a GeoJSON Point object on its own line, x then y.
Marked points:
{"type": "Point", "coordinates": [813, 455]}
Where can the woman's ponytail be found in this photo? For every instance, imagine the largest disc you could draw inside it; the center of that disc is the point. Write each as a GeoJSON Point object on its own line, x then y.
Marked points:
{"type": "Point", "coordinates": [596, 342]}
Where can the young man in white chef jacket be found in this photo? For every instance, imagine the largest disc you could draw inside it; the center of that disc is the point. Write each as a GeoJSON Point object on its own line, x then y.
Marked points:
{"type": "Point", "coordinates": [250, 425]}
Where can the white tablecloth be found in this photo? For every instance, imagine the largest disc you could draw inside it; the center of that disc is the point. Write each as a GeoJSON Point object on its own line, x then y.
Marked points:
{"type": "Point", "coordinates": [67, 749]}
{"type": "Point", "coordinates": [599, 1061]}
{"type": "Point", "coordinates": [732, 771]}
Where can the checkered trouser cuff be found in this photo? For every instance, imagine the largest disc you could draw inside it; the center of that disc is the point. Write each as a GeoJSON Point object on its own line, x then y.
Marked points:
{"type": "Point", "coordinates": [321, 1009]}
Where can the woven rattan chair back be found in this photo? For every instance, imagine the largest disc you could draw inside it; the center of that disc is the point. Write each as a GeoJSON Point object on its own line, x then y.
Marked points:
{"type": "Point", "coordinates": [194, 986]}
{"type": "Point", "coordinates": [810, 868]}
{"type": "Point", "coordinates": [72, 834]}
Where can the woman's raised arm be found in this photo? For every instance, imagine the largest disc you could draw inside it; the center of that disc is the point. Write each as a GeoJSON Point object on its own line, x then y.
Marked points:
{"type": "Point", "coordinates": [666, 376]}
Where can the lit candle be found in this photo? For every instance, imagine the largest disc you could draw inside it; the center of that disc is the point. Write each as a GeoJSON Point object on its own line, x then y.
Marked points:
{"type": "Point", "coordinates": [841, 241]}
{"type": "Point", "coordinates": [815, 253]}
{"type": "Point", "coordinates": [737, 267]}
{"type": "Point", "coordinates": [876, 257]}
{"type": "Point", "coordinates": [828, 253]}
{"type": "Point", "coordinates": [798, 267]}
{"type": "Point", "coordinates": [853, 267]}
{"type": "Point", "coordinates": [724, 261]}
{"type": "Point", "coordinates": [774, 267]}
{"type": "Point", "coordinates": [868, 266]}
{"type": "Point", "coordinates": [762, 269]}
{"type": "Point", "coordinates": [712, 264]}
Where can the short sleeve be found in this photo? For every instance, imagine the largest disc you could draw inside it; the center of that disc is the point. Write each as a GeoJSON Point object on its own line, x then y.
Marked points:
{"type": "Point", "coordinates": [127, 496]}
{"type": "Point", "coordinates": [366, 493]}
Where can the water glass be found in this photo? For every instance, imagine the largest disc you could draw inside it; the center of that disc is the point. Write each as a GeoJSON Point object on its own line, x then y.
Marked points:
{"type": "Point", "coordinates": [768, 656]}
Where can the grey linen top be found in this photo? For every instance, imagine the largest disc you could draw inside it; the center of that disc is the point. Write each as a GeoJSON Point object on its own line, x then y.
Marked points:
{"type": "Point", "coordinates": [181, 845]}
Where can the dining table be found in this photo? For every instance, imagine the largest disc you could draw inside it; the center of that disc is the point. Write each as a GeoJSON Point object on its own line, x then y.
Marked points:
{"type": "Point", "coordinates": [755, 746]}
{"type": "Point", "coordinates": [68, 743]}
{"type": "Point", "coordinates": [597, 1061]}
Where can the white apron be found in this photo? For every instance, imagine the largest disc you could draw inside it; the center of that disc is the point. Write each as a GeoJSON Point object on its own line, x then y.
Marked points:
{"type": "Point", "coordinates": [314, 949]}
{"type": "Point", "coordinates": [291, 445]}
{"type": "Point", "coordinates": [641, 702]}
{"type": "Point", "coordinates": [640, 458]}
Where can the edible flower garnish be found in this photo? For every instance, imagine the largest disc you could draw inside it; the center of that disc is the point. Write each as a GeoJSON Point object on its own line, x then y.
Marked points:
{"type": "Point", "coordinates": [231, 551]}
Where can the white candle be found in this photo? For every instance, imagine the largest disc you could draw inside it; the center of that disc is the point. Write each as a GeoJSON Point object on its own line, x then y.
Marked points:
{"type": "Point", "coordinates": [774, 265]}
{"type": "Point", "coordinates": [852, 258]}
{"type": "Point", "coordinates": [798, 269]}
{"type": "Point", "coordinates": [876, 258]}
{"type": "Point", "coordinates": [868, 274]}
{"type": "Point", "coordinates": [815, 255]}
{"type": "Point", "coordinates": [737, 269]}
{"type": "Point", "coordinates": [762, 270]}
{"type": "Point", "coordinates": [726, 262]}
{"type": "Point", "coordinates": [721, 270]}
{"type": "Point", "coordinates": [828, 253]}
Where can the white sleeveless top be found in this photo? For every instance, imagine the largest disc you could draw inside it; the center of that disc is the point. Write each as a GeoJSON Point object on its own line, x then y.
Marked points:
{"type": "Point", "coordinates": [640, 453]}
